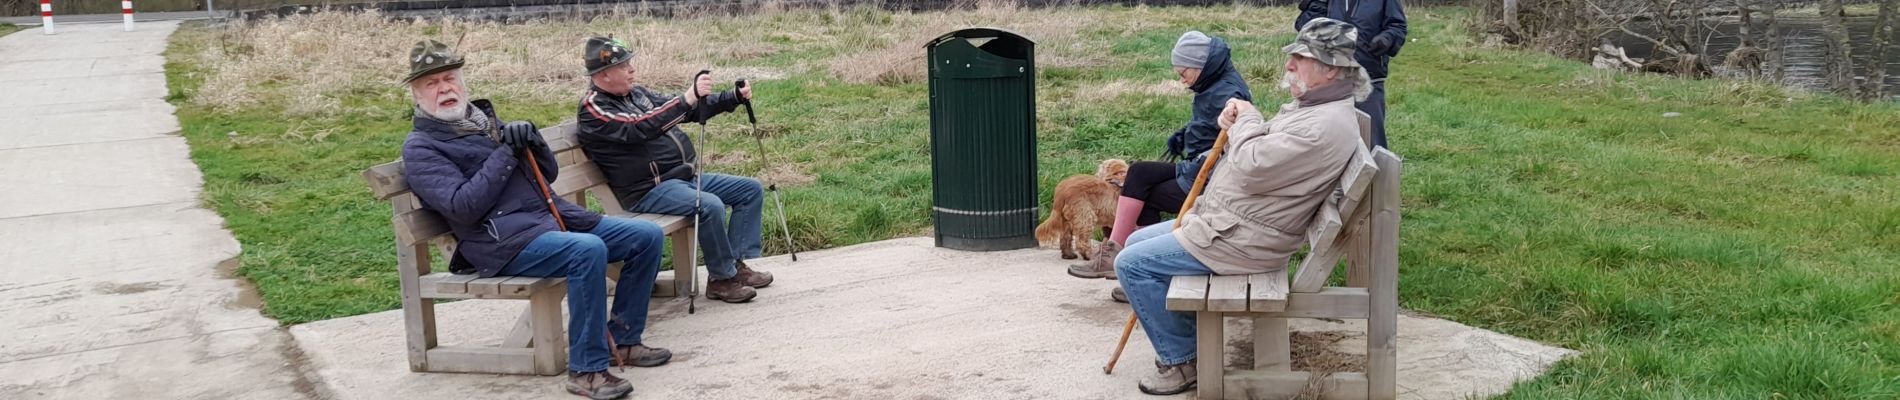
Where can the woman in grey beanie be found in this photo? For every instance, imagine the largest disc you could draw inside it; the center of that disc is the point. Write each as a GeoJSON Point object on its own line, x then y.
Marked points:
{"type": "Point", "coordinates": [1205, 65]}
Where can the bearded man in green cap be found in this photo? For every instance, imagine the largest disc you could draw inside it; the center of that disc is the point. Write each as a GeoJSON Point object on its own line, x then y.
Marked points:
{"type": "Point", "coordinates": [1260, 198]}
{"type": "Point", "coordinates": [462, 163]}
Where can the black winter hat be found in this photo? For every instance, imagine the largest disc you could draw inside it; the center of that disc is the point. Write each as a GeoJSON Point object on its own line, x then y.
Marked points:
{"type": "Point", "coordinates": [605, 52]}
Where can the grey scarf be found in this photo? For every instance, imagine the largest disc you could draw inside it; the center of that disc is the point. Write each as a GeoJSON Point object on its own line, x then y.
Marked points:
{"type": "Point", "coordinates": [476, 122]}
{"type": "Point", "coordinates": [1331, 92]}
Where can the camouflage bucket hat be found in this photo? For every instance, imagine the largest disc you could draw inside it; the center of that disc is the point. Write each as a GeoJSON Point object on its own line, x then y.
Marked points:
{"type": "Point", "coordinates": [430, 57]}
{"type": "Point", "coordinates": [1332, 42]}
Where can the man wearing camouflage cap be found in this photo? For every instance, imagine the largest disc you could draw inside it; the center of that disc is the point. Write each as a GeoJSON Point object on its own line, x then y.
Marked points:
{"type": "Point", "coordinates": [1382, 28]}
{"type": "Point", "coordinates": [465, 165]}
{"type": "Point", "coordinates": [1266, 188]}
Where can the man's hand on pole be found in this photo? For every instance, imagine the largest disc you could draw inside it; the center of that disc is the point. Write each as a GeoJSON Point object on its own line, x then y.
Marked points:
{"type": "Point", "coordinates": [698, 88]}
{"type": "Point", "coordinates": [522, 135]}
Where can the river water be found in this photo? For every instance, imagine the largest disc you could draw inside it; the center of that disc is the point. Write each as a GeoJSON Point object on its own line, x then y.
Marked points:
{"type": "Point", "coordinates": [1804, 50]}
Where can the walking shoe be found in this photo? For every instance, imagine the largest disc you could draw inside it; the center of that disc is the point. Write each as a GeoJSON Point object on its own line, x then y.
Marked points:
{"type": "Point", "coordinates": [1171, 379]}
{"type": "Point", "coordinates": [598, 385]}
{"type": "Point", "coordinates": [730, 290]}
{"type": "Point", "coordinates": [1102, 266]}
{"type": "Point", "coordinates": [640, 355]}
{"type": "Point", "coordinates": [1118, 295]}
{"type": "Point", "coordinates": [754, 278]}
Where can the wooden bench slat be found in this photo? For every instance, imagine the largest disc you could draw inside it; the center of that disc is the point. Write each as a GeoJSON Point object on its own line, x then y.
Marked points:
{"type": "Point", "coordinates": [576, 178]}
{"type": "Point", "coordinates": [524, 286]}
{"type": "Point", "coordinates": [1227, 293]}
{"type": "Point", "coordinates": [492, 360]}
{"type": "Point", "coordinates": [386, 180]}
{"type": "Point", "coordinates": [487, 286]}
{"type": "Point", "coordinates": [1267, 292]}
{"type": "Point", "coordinates": [445, 283]}
{"type": "Point", "coordinates": [1187, 293]}
{"type": "Point", "coordinates": [418, 226]}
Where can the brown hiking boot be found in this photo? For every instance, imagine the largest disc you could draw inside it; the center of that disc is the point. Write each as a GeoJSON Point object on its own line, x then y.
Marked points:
{"type": "Point", "coordinates": [754, 278]}
{"type": "Point", "coordinates": [1170, 380]}
{"type": "Point", "coordinates": [730, 290]}
{"type": "Point", "coordinates": [1102, 266]}
{"type": "Point", "coordinates": [640, 355]}
{"type": "Point", "coordinates": [1118, 295]}
{"type": "Point", "coordinates": [598, 385]}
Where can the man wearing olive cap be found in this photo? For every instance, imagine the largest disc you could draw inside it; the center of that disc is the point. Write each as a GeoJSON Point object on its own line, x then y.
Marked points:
{"type": "Point", "coordinates": [1263, 192]}
{"type": "Point", "coordinates": [466, 166]}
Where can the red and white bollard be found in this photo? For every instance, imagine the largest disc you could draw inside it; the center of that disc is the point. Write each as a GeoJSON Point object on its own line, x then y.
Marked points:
{"type": "Point", "coordinates": [46, 15]}
{"type": "Point", "coordinates": [126, 5]}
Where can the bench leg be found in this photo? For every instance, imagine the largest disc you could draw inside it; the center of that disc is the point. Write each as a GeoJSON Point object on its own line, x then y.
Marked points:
{"type": "Point", "coordinates": [1210, 339]}
{"type": "Point", "coordinates": [685, 270]}
{"type": "Point", "coordinates": [1272, 346]}
{"type": "Point", "coordinates": [550, 338]}
{"type": "Point", "coordinates": [418, 314]}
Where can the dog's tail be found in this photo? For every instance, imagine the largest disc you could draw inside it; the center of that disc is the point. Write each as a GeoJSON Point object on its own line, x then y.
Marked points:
{"type": "Point", "coordinates": [1051, 229]}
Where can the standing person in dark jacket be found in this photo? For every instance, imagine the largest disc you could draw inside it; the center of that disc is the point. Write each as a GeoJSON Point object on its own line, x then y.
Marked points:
{"type": "Point", "coordinates": [461, 162]}
{"type": "Point", "coordinates": [1381, 26]}
{"type": "Point", "coordinates": [633, 134]}
{"type": "Point", "coordinates": [1205, 64]}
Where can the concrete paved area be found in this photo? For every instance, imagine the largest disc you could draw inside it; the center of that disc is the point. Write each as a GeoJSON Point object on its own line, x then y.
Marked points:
{"type": "Point", "coordinates": [109, 277]}
{"type": "Point", "coordinates": [889, 320]}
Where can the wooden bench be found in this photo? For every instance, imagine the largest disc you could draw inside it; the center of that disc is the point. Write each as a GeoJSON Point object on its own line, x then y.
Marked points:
{"type": "Point", "coordinates": [1370, 246]}
{"type": "Point", "coordinates": [536, 344]}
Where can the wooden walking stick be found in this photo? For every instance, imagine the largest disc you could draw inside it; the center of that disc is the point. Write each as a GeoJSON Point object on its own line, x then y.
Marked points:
{"type": "Point", "coordinates": [534, 170]}
{"type": "Point", "coordinates": [1200, 182]}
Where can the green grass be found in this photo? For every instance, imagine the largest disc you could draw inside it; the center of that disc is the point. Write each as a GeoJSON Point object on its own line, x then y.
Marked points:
{"type": "Point", "coordinates": [1745, 249]}
{"type": "Point", "coordinates": [6, 29]}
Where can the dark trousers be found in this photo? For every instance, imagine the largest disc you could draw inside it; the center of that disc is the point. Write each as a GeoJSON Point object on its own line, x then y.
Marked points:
{"type": "Point", "coordinates": [1375, 106]}
{"type": "Point", "coordinates": [1155, 184]}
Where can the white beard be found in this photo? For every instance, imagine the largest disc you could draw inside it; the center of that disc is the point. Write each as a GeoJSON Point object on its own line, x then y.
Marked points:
{"type": "Point", "coordinates": [457, 113]}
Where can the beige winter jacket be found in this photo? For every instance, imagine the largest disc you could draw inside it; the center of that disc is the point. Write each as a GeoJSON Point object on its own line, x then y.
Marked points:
{"type": "Point", "coordinates": [1264, 191]}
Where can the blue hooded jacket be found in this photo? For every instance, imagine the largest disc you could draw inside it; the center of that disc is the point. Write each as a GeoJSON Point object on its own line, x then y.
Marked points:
{"type": "Point", "coordinates": [1380, 21]}
{"type": "Point", "coordinates": [1219, 82]}
{"type": "Point", "coordinates": [493, 208]}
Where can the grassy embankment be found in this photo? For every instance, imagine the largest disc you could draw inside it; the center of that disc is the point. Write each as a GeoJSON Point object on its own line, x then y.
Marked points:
{"type": "Point", "coordinates": [1745, 249]}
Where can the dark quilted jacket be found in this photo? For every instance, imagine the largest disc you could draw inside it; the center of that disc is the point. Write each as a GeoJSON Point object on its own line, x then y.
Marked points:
{"type": "Point", "coordinates": [493, 208]}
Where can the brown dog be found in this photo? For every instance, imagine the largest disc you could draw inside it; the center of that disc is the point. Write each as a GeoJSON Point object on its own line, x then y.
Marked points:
{"type": "Point", "coordinates": [1083, 204]}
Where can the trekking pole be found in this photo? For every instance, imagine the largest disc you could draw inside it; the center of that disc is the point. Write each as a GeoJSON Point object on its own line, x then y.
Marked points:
{"type": "Point", "coordinates": [760, 139]}
{"type": "Point", "coordinates": [692, 299]}
{"type": "Point", "coordinates": [534, 170]}
{"type": "Point", "coordinates": [1200, 182]}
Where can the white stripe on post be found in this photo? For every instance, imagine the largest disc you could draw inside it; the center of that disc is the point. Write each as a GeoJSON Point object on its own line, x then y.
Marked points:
{"type": "Point", "coordinates": [46, 16]}
{"type": "Point", "coordinates": [127, 6]}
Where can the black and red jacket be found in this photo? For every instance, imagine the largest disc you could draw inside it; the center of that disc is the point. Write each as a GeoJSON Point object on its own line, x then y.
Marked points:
{"type": "Point", "coordinates": [636, 140]}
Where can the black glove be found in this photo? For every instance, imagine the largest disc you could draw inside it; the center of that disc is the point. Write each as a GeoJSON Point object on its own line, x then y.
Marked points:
{"type": "Point", "coordinates": [1316, 6]}
{"type": "Point", "coordinates": [1175, 147]}
{"type": "Point", "coordinates": [522, 135]}
{"type": "Point", "coordinates": [1381, 45]}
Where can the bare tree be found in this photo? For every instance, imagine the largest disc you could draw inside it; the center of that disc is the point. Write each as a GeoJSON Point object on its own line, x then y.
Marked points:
{"type": "Point", "coordinates": [1840, 54]}
{"type": "Point", "coordinates": [1882, 47]}
{"type": "Point", "coordinates": [1683, 31]}
{"type": "Point", "coordinates": [1746, 57]}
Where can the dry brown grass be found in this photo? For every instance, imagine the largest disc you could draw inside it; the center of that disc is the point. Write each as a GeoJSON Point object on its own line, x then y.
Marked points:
{"type": "Point", "coordinates": [337, 64]}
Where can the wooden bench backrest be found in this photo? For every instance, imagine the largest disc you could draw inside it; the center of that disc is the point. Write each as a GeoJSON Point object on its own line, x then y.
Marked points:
{"type": "Point", "coordinates": [1327, 239]}
{"type": "Point", "coordinates": [414, 225]}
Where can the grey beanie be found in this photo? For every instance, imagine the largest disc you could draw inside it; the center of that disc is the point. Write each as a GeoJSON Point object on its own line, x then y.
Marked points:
{"type": "Point", "coordinates": [1190, 51]}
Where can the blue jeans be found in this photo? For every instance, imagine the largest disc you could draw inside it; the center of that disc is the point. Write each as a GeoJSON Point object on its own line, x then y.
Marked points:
{"type": "Point", "coordinates": [722, 245]}
{"type": "Point", "coordinates": [1153, 257]}
{"type": "Point", "coordinates": [582, 257]}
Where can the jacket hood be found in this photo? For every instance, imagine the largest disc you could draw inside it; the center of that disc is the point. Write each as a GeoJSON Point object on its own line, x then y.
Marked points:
{"type": "Point", "coordinates": [1219, 63]}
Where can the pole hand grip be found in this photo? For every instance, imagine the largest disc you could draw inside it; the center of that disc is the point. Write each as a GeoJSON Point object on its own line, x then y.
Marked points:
{"type": "Point", "coordinates": [749, 116]}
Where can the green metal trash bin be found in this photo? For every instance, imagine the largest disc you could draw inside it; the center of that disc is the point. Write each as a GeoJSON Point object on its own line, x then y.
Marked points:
{"type": "Point", "coordinates": [983, 139]}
